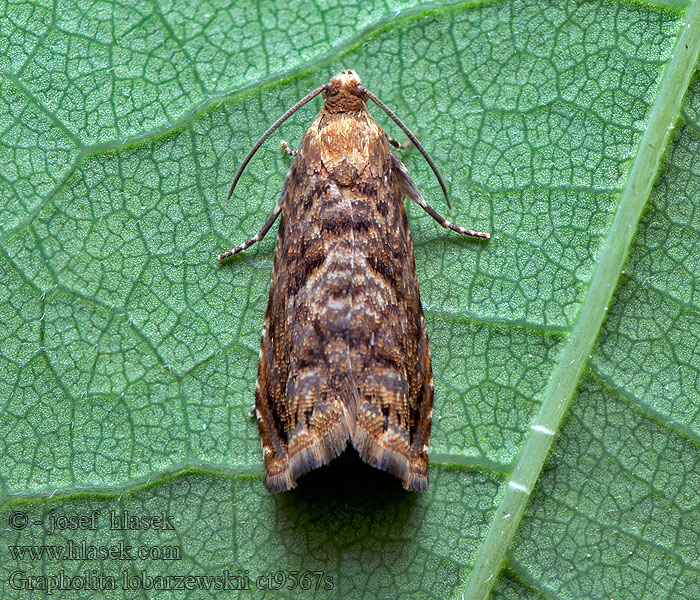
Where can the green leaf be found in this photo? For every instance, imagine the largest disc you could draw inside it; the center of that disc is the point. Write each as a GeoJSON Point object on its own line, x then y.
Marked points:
{"type": "Point", "coordinates": [565, 455]}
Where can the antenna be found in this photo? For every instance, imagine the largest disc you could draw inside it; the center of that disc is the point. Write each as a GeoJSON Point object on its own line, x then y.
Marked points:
{"type": "Point", "coordinates": [363, 90]}
{"type": "Point", "coordinates": [270, 131]}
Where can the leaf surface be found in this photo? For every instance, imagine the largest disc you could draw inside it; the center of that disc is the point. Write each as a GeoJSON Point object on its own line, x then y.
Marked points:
{"type": "Point", "coordinates": [128, 357]}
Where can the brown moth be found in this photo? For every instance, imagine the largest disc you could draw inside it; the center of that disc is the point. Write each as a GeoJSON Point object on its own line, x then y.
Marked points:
{"type": "Point", "coordinates": [344, 353]}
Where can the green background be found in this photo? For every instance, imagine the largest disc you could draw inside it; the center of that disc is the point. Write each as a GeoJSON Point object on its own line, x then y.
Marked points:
{"type": "Point", "coordinates": [128, 356]}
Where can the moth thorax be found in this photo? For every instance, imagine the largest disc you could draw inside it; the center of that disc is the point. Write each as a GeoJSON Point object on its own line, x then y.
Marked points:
{"type": "Point", "coordinates": [342, 94]}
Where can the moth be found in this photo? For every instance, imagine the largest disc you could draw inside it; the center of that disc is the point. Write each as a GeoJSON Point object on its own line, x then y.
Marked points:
{"type": "Point", "coordinates": [344, 355]}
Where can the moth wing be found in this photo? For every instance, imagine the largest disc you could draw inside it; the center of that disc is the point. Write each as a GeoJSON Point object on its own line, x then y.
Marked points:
{"type": "Point", "coordinates": [344, 351]}
{"type": "Point", "coordinates": [393, 372]}
{"type": "Point", "coordinates": [305, 394]}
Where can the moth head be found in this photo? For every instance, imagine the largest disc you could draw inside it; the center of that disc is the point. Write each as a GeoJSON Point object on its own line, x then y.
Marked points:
{"type": "Point", "coordinates": [343, 93]}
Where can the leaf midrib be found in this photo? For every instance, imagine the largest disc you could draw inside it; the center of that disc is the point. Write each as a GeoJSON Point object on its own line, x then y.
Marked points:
{"type": "Point", "coordinates": [663, 115]}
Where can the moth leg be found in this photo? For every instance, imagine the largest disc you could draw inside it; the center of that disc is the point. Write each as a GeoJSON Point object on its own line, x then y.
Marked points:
{"type": "Point", "coordinates": [256, 238]}
{"type": "Point", "coordinates": [396, 144]}
{"type": "Point", "coordinates": [287, 149]}
{"type": "Point", "coordinates": [265, 228]}
{"type": "Point", "coordinates": [409, 189]}
{"type": "Point", "coordinates": [445, 223]}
